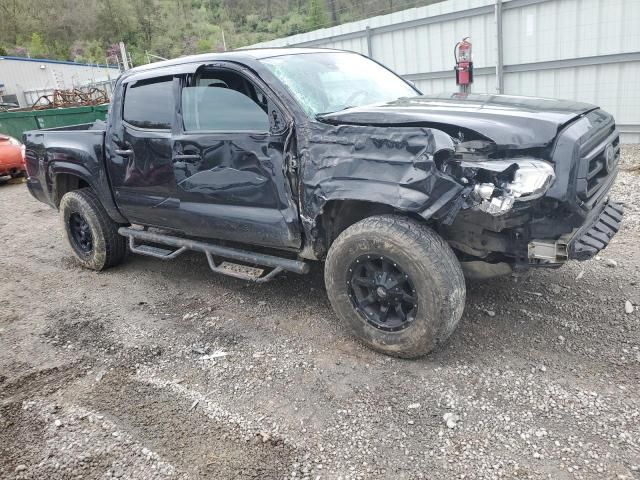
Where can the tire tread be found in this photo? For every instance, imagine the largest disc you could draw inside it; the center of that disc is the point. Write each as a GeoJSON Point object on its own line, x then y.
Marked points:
{"type": "Point", "coordinates": [115, 244]}
{"type": "Point", "coordinates": [420, 238]}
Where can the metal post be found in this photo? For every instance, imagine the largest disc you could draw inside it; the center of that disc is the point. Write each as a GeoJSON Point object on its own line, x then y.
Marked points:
{"type": "Point", "coordinates": [499, 59]}
{"type": "Point", "coordinates": [367, 32]}
{"type": "Point", "coordinates": [123, 54]}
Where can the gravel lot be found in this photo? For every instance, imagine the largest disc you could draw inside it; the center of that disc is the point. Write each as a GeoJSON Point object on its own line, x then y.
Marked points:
{"type": "Point", "coordinates": [165, 370]}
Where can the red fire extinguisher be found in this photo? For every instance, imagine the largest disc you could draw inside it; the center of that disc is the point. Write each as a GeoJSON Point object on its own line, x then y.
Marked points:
{"type": "Point", "coordinates": [464, 65]}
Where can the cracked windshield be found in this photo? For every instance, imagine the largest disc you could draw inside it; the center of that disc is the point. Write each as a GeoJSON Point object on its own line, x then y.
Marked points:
{"type": "Point", "coordinates": [330, 82]}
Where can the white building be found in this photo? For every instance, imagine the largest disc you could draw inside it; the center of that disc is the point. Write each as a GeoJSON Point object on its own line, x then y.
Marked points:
{"type": "Point", "coordinates": [24, 80]}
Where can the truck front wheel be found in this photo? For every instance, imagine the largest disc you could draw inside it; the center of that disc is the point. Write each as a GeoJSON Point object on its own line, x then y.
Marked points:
{"type": "Point", "coordinates": [396, 284]}
{"type": "Point", "coordinates": [91, 233]}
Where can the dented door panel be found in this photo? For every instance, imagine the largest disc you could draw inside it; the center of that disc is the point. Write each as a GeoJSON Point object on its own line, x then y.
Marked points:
{"type": "Point", "coordinates": [232, 186]}
{"type": "Point", "coordinates": [232, 169]}
{"type": "Point", "coordinates": [143, 181]}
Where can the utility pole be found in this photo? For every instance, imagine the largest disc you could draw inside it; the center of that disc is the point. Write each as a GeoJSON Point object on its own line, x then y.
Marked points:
{"type": "Point", "coordinates": [224, 42]}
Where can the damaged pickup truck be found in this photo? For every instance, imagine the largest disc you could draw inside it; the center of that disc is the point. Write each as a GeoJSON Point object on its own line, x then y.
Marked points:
{"type": "Point", "coordinates": [265, 160]}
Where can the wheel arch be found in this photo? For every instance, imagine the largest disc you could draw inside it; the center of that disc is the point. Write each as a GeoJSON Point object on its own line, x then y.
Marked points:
{"type": "Point", "coordinates": [65, 182]}
{"type": "Point", "coordinates": [339, 214]}
{"type": "Point", "coordinates": [67, 177]}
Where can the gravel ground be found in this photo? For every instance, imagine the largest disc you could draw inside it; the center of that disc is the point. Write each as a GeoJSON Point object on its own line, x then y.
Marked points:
{"type": "Point", "coordinates": [164, 370]}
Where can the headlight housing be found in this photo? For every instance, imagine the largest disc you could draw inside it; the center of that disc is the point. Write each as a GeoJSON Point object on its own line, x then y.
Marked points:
{"type": "Point", "coordinates": [498, 184]}
{"type": "Point", "coordinates": [531, 179]}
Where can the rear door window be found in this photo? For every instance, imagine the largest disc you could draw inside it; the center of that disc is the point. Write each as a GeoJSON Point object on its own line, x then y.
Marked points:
{"type": "Point", "coordinates": [149, 104]}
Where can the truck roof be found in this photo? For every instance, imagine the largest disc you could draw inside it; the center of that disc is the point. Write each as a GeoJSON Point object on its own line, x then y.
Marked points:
{"type": "Point", "coordinates": [235, 55]}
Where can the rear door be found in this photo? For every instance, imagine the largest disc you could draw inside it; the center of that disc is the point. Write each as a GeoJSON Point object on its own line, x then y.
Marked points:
{"type": "Point", "coordinates": [140, 160]}
{"type": "Point", "coordinates": [228, 153]}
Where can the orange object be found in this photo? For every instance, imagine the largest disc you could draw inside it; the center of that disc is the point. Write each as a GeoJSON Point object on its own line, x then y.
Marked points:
{"type": "Point", "coordinates": [12, 155]}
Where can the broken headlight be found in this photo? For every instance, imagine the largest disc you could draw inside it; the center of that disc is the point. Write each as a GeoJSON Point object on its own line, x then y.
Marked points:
{"type": "Point", "coordinates": [530, 180]}
{"type": "Point", "coordinates": [501, 183]}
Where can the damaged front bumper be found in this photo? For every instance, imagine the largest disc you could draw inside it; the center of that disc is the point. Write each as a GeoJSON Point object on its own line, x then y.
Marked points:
{"type": "Point", "coordinates": [533, 216]}
{"type": "Point", "coordinates": [584, 242]}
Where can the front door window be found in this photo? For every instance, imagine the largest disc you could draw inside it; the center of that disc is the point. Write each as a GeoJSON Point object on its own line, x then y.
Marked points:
{"type": "Point", "coordinates": [217, 108]}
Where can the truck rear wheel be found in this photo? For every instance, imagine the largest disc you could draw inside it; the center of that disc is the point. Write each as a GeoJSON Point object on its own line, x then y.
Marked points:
{"type": "Point", "coordinates": [91, 233]}
{"type": "Point", "coordinates": [396, 284]}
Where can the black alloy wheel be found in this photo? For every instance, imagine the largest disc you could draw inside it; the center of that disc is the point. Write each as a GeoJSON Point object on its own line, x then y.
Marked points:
{"type": "Point", "coordinates": [91, 233]}
{"type": "Point", "coordinates": [80, 233]}
{"type": "Point", "coordinates": [395, 284]}
{"type": "Point", "coordinates": [382, 293]}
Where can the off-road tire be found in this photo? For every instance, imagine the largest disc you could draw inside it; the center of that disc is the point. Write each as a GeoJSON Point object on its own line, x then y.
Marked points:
{"type": "Point", "coordinates": [109, 248]}
{"type": "Point", "coordinates": [427, 259]}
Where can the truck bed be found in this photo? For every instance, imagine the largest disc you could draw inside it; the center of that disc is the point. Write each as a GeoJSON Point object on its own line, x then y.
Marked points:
{"type": "Point", "coordinates": [76, 150]}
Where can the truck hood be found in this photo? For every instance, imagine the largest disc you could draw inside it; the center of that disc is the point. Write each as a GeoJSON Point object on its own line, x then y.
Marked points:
{"type": "Point", "coordinates": [508, 121]}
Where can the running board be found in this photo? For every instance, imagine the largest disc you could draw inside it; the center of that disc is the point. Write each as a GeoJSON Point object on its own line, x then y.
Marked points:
{"type": "Point", "coordinates": [181, 245]}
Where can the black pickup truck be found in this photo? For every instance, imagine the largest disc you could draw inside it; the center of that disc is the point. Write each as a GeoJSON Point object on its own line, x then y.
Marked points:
{"type": "Point", "coordinates": [265, 160]}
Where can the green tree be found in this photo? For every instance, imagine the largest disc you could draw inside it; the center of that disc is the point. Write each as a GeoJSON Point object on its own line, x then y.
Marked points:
{"type": "Point", "coordinates": [82, 29]}
{"type": "Point", "coordinates": [115, 21]}
{"type": "Point", "coordinates": [316, 16]}
{"type": "Point", "coordinates": [148, 20]}
{"type": "Point", "coordinates": [37, 48]}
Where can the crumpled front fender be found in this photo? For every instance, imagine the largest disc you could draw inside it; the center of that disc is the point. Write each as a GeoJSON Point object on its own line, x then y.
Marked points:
{"type": "Point", "coordinates": [396, 167]}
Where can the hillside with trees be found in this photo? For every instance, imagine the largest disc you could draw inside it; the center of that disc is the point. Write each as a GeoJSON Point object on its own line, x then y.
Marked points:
{"type": "Point", "coordinates": [89, 30]}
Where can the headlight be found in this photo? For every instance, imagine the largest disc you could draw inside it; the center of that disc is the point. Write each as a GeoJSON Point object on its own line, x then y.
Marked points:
{"type": "Point", "coordinates": [13, 141]}
{"type": "Point", "coordinates": [530, 180]}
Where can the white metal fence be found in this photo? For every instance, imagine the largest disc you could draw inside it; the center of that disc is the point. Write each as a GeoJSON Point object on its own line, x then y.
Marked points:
{"type": "Point", "coordinates": [586, 50]}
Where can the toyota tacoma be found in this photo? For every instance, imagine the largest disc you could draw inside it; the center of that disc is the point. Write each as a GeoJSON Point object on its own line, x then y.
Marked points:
{"type": "Point", "coordinates": [267, 160]}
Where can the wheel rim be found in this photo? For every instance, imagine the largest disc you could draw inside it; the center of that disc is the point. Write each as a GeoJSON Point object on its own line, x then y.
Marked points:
{"type": "Point", "coordinates": [382, 293]}
{"type": "Point", "coordinates": [80, 233]}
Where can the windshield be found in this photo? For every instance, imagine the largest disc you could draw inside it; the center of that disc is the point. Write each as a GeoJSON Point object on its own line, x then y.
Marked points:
{"type": "Point", "coordinates": [329, 82]}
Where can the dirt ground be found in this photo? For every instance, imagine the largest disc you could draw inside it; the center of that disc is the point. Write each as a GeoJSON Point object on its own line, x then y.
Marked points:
{"type": "Point", "coordinates": [165, 370]}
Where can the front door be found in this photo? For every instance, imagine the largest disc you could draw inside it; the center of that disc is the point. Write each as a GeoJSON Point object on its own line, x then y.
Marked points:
{"type": "Point", "coordinates": [228, 162]}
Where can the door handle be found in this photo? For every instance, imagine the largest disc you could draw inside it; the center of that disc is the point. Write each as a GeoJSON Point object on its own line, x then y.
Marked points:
{"type": "Point", "coordinates": [124, 153]}
{"type": "Point", "coordinates": [186, 157]}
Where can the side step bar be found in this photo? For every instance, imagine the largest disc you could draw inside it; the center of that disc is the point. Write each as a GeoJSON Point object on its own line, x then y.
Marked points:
{"type": "Point", "coordinates": [181, 245]}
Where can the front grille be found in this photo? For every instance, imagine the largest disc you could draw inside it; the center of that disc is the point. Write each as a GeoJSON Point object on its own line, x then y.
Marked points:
{"type": "Point", "coordinates": [597, 174]}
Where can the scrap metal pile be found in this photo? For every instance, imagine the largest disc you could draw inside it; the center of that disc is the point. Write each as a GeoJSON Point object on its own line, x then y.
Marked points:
{"type": "Point", "coordinates": [75, 97]}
